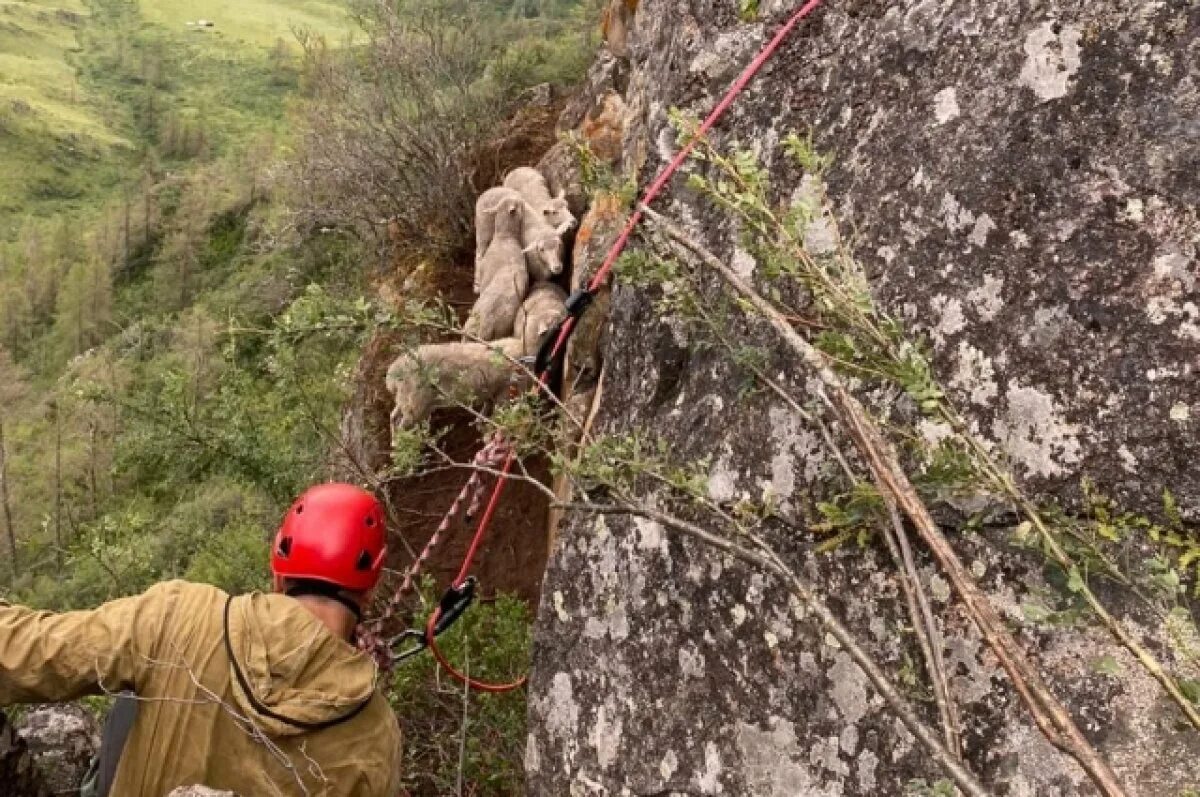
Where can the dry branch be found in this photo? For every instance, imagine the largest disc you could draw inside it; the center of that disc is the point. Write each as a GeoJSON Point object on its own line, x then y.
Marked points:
{"type": "Point", "coordinates": [767, 560]}
{"type": "Point", "coordinates": [924, 625]}
{"type": "Point", "coordinates": [1050, 715]}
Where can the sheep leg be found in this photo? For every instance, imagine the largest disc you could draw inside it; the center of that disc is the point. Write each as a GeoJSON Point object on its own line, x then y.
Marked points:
{"type": "Point", "coordinates": [485, 226]}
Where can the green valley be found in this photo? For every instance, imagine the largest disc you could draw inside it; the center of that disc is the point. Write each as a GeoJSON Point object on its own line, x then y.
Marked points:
{"type": "Point", "coordinates": [187, 265]}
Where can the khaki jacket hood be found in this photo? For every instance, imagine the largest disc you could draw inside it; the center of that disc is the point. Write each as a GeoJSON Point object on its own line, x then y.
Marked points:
{"type": "Point", "coordinates": [177, 646]}
{"type": "Point", "coordinates": [289, 672]}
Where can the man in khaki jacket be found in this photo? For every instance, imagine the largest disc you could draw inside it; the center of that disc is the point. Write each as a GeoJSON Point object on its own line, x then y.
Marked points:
{"type": "Point", "coordinates": [257, 694]}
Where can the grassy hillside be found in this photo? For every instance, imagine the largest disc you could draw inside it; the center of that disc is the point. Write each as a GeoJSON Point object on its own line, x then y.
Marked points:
{"type": "Point", "coordinates": [251, 22]}
{"type": "Point", "coordinates": [89, 87]}
{"type": "Point", "coordinates": [58, 146]}
{"type": "Point", "coordinates": [134, 204]}
{"type": "Point", "coordinates": [184, 294]}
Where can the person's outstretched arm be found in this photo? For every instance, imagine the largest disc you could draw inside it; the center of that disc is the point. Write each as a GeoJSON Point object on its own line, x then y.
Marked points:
{"type": "Point", "coordinates": [48, 657]}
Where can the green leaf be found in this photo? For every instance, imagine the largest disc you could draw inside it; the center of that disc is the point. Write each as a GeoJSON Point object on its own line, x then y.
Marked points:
{"type": "Point", "coordinates": [1190, 689]}
{"type": "Point", "coordinates": [833, 543]}
{"type": "Point", "coordinates": [1036, 612]}
{"type": "Point", "coordinates": [1106, 665]}
{"type": "Point", "coordinates": [1171, 509]}
{"type": "Point", "coordinates": [1075, 581]}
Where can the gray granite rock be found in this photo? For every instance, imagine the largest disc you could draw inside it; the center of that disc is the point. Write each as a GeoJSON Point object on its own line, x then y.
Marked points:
{"type": "Point", "coordinates": [62, 738]}
{"type": "Point", "coordinates": [1021, 181]}
{"type": "Point", "coordinates": [19, 777]}
{"type": "Point", "coordinates": [199, 791]}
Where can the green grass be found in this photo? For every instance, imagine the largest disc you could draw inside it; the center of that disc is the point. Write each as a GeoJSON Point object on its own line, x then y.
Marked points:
{"type": "Point", "coordinates": [73, 95]}
{"type": "Point", "coordinates": [36, 38]}
{"type": "Point", "coordinates": [252, 22]}
{"type": "Point", "coordinates": [56, 148]}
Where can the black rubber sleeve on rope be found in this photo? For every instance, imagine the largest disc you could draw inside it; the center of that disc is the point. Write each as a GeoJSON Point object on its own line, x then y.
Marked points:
{"type": "Point", "coordinates": [547, 361]}
{"type": "Point", "coordinates": [579, 301]}
{"type": "Point", "coordinates": [453, 604]}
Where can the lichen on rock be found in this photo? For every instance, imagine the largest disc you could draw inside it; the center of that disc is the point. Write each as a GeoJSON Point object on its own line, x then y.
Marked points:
{"type": "Point", "coordinates": [1022, 188]}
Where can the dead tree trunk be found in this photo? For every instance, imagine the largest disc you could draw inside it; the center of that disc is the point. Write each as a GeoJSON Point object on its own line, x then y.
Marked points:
{"type": "Point", "coordinates": [58, 538]}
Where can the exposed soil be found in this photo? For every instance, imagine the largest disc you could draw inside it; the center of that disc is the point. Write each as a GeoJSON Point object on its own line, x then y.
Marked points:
{"type": "Point", "coordinates": [513, 555]}
{"type": "Point", "coordinates": [512, 558]}
{"type": "Point", "coordinates": [526, 138]}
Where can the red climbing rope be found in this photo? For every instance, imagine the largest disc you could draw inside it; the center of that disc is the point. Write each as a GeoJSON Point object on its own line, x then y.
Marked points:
{"type": "Point", "coordinates": [596, 282]}
{"type": "Point", "coordinates": [370, 635]}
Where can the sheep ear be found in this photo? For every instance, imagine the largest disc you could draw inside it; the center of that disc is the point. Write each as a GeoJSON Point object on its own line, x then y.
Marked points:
{"type": "Point", "coordinates": [529, 248]}
{"type": "Point", "coordinates": [562, 194]}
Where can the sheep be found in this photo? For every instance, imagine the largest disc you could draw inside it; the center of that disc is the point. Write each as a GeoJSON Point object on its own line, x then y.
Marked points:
{"type": "Point", "coordinates": [450, 374]}
{"type": "Point", "coordinates": [531, 185]}
{"type": "Point", "coordinates": [542, 243]}
{"type": "Point", "coordinates": [505, 276]}
{"type": "Point", "coordinates": [542, 309]}
{"type": "Point", "coordinates": [506, 225]}
{"type": "Point", "coordinates": [485, 226]}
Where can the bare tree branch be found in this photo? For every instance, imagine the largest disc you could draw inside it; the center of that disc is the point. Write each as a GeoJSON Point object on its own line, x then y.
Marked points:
{"type": "Point", "coordinates": [1050, 715]}
{"type": "Point", "coordinates": [767, 560]}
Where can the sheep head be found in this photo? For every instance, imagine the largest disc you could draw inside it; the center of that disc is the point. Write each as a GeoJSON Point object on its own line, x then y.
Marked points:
{"type": "Point", "coordinates": [558, 215]}
{"type": "Point", "coordinates": [547, 251]}
{"type": "Point", "coordinates": [508, 214]}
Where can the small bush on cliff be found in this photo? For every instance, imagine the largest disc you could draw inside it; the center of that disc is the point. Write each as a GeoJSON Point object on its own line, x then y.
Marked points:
{"type": "Point", "coordinates": [480, 740]}
{"type": "Point", "coordinates": [391, 125]}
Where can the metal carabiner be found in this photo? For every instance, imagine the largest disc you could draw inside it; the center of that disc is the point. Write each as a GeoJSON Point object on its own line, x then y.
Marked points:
{"type": "Point", "coordinates": [453, 604]}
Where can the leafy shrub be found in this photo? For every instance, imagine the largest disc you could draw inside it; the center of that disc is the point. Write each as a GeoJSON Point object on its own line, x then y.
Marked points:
{"type": "Point", "coordinates": [392, 124]}
{"type": "Point", "coordinates": [491, 640]}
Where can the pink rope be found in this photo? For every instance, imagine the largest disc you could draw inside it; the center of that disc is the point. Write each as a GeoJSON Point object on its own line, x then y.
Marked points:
{"type": "Point", "coordinates": [597, 280]}
{"type": "Point", "coordinates": [370, 637]}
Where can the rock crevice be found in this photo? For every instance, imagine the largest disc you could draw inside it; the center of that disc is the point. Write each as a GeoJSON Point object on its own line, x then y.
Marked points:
{"type": "Point", "coordinates": [1021, 183]}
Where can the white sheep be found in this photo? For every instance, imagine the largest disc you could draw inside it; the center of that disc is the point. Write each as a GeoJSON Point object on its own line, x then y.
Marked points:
{"type": "Point", "coordinates": [541, 242]}
{"type": "Point", "coordinates": [542, 309]}
{"type": "Point", "coordinates": [505, 277]}
{"type": "Point", "coordinates": [506, 227]}
{"type": "Point", "coordinates": [531, 185]}
{"type": "Point", "coordinates": [451, 374]}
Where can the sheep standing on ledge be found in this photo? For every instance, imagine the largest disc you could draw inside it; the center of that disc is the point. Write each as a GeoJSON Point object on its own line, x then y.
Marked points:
{"type": "Point", "coordinates": [451, 374]}
{"type": "Point", "coordinates": [503, 274]}
{"type": "Point", "coordinates": [542, 242]}
{"type": "Point", "coordinates": [542, 309]}
{"type": "Point", "coordinates": [518, 228]}
{"type": "Point", "coordinates": [552, 212]}
{"type": "Point", "coordinates": [531, 185]}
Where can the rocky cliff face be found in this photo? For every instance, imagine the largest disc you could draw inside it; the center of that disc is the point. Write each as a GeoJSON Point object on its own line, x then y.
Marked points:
{"type": "Point", "coordinates": [1022, 183]}
{"type": "Point", "coordinates": [47, 752]}
{"type": "Point", "coordinates": [18, 773]}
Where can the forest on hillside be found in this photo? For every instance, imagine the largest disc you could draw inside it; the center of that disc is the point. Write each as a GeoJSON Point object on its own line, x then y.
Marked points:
{"type": "Point", "coordinates": [188, 259]}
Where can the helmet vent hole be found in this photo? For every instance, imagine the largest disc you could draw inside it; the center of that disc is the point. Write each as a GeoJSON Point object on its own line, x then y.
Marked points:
{"type": "Point", "coordinates": [285, 546]}
{"type": "Point", "coordinates": [364, 561]}
{"type": "Point", "coordinates": [300, 509]}
{"type": "Point", "coordinates": [370, 522]}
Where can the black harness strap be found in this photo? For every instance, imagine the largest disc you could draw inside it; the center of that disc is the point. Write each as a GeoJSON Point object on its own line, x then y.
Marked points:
{"type": "Point", "coordinates": [578, 301]}
{"type": "Point", "coordinates": [548, 361]}
{"type": "Point", "coordinates": [266, 712]}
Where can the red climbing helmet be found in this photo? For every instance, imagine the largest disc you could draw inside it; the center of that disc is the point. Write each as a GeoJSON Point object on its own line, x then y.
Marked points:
{"type": "Point", "coordinates": [332, 533]}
